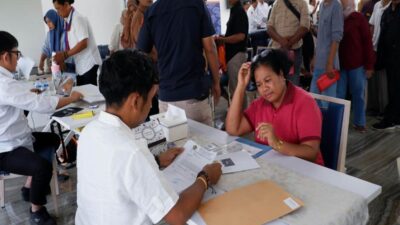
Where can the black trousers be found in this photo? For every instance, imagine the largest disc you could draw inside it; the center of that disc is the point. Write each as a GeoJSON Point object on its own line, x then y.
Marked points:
{"type": "Point", "coordinates": [90, 77]}
{"type": "Point", "coordinates": [25, 162]}
{"type": "Point", "coordinates": [392, 110]}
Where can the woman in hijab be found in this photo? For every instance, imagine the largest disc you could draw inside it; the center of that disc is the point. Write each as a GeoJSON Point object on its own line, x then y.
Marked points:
{"type": "Point", "coordinates": [53, 37]}
{"type": "Point", "coordinates": [127, 38]}
{"type": "Point", "coordinates": [357, 61]}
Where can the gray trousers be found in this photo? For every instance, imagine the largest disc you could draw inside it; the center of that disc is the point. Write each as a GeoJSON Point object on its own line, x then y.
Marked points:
{"type": "Point", "coordinates": [233, 69]}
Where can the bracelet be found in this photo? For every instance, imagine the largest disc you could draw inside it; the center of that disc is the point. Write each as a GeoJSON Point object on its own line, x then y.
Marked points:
{"type": "Point", "coordinates": [204, 181]}
{"type": "Point", "coordinates": [279, 145]}
{"type": "Point", "coordinates": [205, 175]}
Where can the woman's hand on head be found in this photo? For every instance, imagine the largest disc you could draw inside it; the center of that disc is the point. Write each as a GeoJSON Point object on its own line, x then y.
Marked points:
{"type": "Point", "coordinates": [244, 74]}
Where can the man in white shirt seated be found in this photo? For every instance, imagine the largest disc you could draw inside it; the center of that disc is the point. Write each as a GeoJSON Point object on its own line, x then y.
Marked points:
{"type": "Point", "coordinates": [16, 139]}
{"type": "Point", "coordinates": [119, 181]}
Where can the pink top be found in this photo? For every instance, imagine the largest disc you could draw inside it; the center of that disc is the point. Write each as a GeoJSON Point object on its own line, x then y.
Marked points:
{"type": "Point", "coordinates": [298, 119]}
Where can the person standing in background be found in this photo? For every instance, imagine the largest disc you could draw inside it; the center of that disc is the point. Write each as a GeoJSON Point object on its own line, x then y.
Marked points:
{"type": "Point", "coordinates": [377, 84]}
{"type": "Point", "coordinates": [127, 33]}
{"type": "Point", "coordinates": [330, 33]}
{"type": "Point", "coordinates": [235, 41]}
{"type": "Point", "coordinates": [80, 43]}
{"type": "Point", "coordinates": [287, 25]}
{"type": "Point", "coordinates": [53, 38]}
{"type": "Point", "coordinates": [180, 31]}
{"type": "Point", "coordinates": [357, 61]}
{"type": "Point", "coordinates": [388, 58]}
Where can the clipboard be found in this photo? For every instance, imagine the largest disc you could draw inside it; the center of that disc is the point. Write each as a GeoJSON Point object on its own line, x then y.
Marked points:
{"type": "Point", "coordinates": [253, 204]}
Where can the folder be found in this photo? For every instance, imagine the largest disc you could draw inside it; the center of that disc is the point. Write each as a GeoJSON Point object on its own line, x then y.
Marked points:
{"type": "Point", "coordinates": [253, 204]}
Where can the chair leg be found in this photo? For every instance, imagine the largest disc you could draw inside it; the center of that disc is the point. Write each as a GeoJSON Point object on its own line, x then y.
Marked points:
{"type": "Point", "coordinates": [2, 193]}
{"type": "Point", "coordinates": [55, 177]}
{"type": "Point", "coordinates": [54, 189]}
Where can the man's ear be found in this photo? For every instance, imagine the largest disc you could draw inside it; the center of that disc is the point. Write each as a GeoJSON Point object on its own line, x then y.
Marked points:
{"type": "Point", "coordinates": [134, 101]}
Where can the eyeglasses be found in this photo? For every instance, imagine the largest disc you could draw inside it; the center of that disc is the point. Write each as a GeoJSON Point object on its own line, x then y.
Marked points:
{"type": "Point", "coordinates": [18, 53]}
{"type": "Point", "coordinates": [261, 55]}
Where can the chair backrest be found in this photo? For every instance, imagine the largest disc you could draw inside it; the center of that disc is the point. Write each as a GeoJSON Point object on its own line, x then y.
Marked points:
{"type": "Point", "coordinates": [335, 125]}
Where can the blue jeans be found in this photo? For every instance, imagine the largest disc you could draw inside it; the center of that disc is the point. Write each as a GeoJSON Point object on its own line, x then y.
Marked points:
{"type": "Point", "coordinates": [330, 91]}
{"type": "Point", "coordinates": [355, 80]}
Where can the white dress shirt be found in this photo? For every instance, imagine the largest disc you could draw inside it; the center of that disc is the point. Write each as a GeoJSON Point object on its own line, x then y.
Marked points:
{"type": "Point", "coordinates": [15, 97]}
{"type": "Point", "coordinates": [118, 179]}
{"type": "Point", "coordinates": [261, 14]}
{"type": "Point", "coordinates": [252, 20]}
{"type": "Point", "coordinates": [80, 30]}
{"type": "Point", "coordinates": [375, 21]}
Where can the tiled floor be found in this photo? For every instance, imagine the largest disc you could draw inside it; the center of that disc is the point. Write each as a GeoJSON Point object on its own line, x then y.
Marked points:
{"type": "Point", "coordinates": [370, 156]}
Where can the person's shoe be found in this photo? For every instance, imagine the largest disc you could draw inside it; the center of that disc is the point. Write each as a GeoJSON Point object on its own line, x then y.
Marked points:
{"type": "Point", "coordinates": [361, 129]}
{"type": "Point", "coordinates": [384, 125]}
{"type": "Point", "coordinates": [41, 217]}
{"type": "Point", "coordinates": [25, 193]}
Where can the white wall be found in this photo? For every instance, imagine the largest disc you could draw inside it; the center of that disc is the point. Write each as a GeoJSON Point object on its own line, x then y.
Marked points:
{"type": "Point", "coordinates": [24, 20]}
{"type": "Point", "coordinates": [102, 15]}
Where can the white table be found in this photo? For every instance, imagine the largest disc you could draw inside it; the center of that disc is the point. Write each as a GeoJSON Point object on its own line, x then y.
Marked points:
{"type": "Point", "coordinates": [326, 178]}
{"type": "Point", "coordinates": [356, 192]}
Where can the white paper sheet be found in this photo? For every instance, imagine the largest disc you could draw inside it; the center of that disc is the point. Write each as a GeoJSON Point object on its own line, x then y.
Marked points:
{"type": "Point", "coordinates": [90, 93]}
{"type": "Point", "coordinates": [237, 161]}
{"type": "Point", "coordinates": [183, 171]}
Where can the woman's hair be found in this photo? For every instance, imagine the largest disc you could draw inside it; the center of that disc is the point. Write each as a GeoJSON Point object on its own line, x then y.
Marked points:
{"type": "Point", "coordinates": [275, 59]}
{"type": "Point", "coordinates": [62, 2]}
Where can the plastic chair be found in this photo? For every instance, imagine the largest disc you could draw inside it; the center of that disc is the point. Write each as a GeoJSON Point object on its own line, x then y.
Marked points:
{"type": "Point", "coordinates": [335, 125]}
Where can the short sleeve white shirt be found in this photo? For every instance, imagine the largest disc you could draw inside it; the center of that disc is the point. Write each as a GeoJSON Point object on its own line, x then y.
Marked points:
{"type": "Point", "coordinates": [252, 20]}
{"type": "Point", "coordinates": [15, 97]}
{"type": "Point", "coordinates": [375, 21]}
{"type": "Point", "coordinates": [118, 179]}
{"type": "Point", "coordinates": [80, 30]}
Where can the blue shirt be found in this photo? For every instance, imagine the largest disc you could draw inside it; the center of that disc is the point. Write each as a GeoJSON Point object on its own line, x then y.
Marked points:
{"type": "Point", "coordinates": [330, 28]}
{"type": "Point", "coordinates": [176, 29]}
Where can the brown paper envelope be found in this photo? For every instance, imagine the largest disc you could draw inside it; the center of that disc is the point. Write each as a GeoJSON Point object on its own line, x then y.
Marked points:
{"type": "Point", "coordinates": [254, 204]}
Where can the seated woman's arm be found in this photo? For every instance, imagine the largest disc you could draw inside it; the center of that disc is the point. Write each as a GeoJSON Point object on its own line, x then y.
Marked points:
{"type": "Point", "coordinates": [236, 124]}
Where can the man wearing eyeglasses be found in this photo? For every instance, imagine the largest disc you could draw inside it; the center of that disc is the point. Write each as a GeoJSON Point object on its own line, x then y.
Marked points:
{"type": "Point", "coordinates": [21, 151]}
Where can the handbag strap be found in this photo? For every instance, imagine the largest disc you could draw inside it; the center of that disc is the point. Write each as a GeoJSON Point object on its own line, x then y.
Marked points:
{"type": "Point", "coordinates": [292, 8]}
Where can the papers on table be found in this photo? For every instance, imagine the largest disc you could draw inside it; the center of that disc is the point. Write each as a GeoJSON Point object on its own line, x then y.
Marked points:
{"type": "Point", "coordinates": [183, 171]}
{"type": "Point", "coordinates": [237, 161]}
{"type": "Point", "coordinates": [90, 93]}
